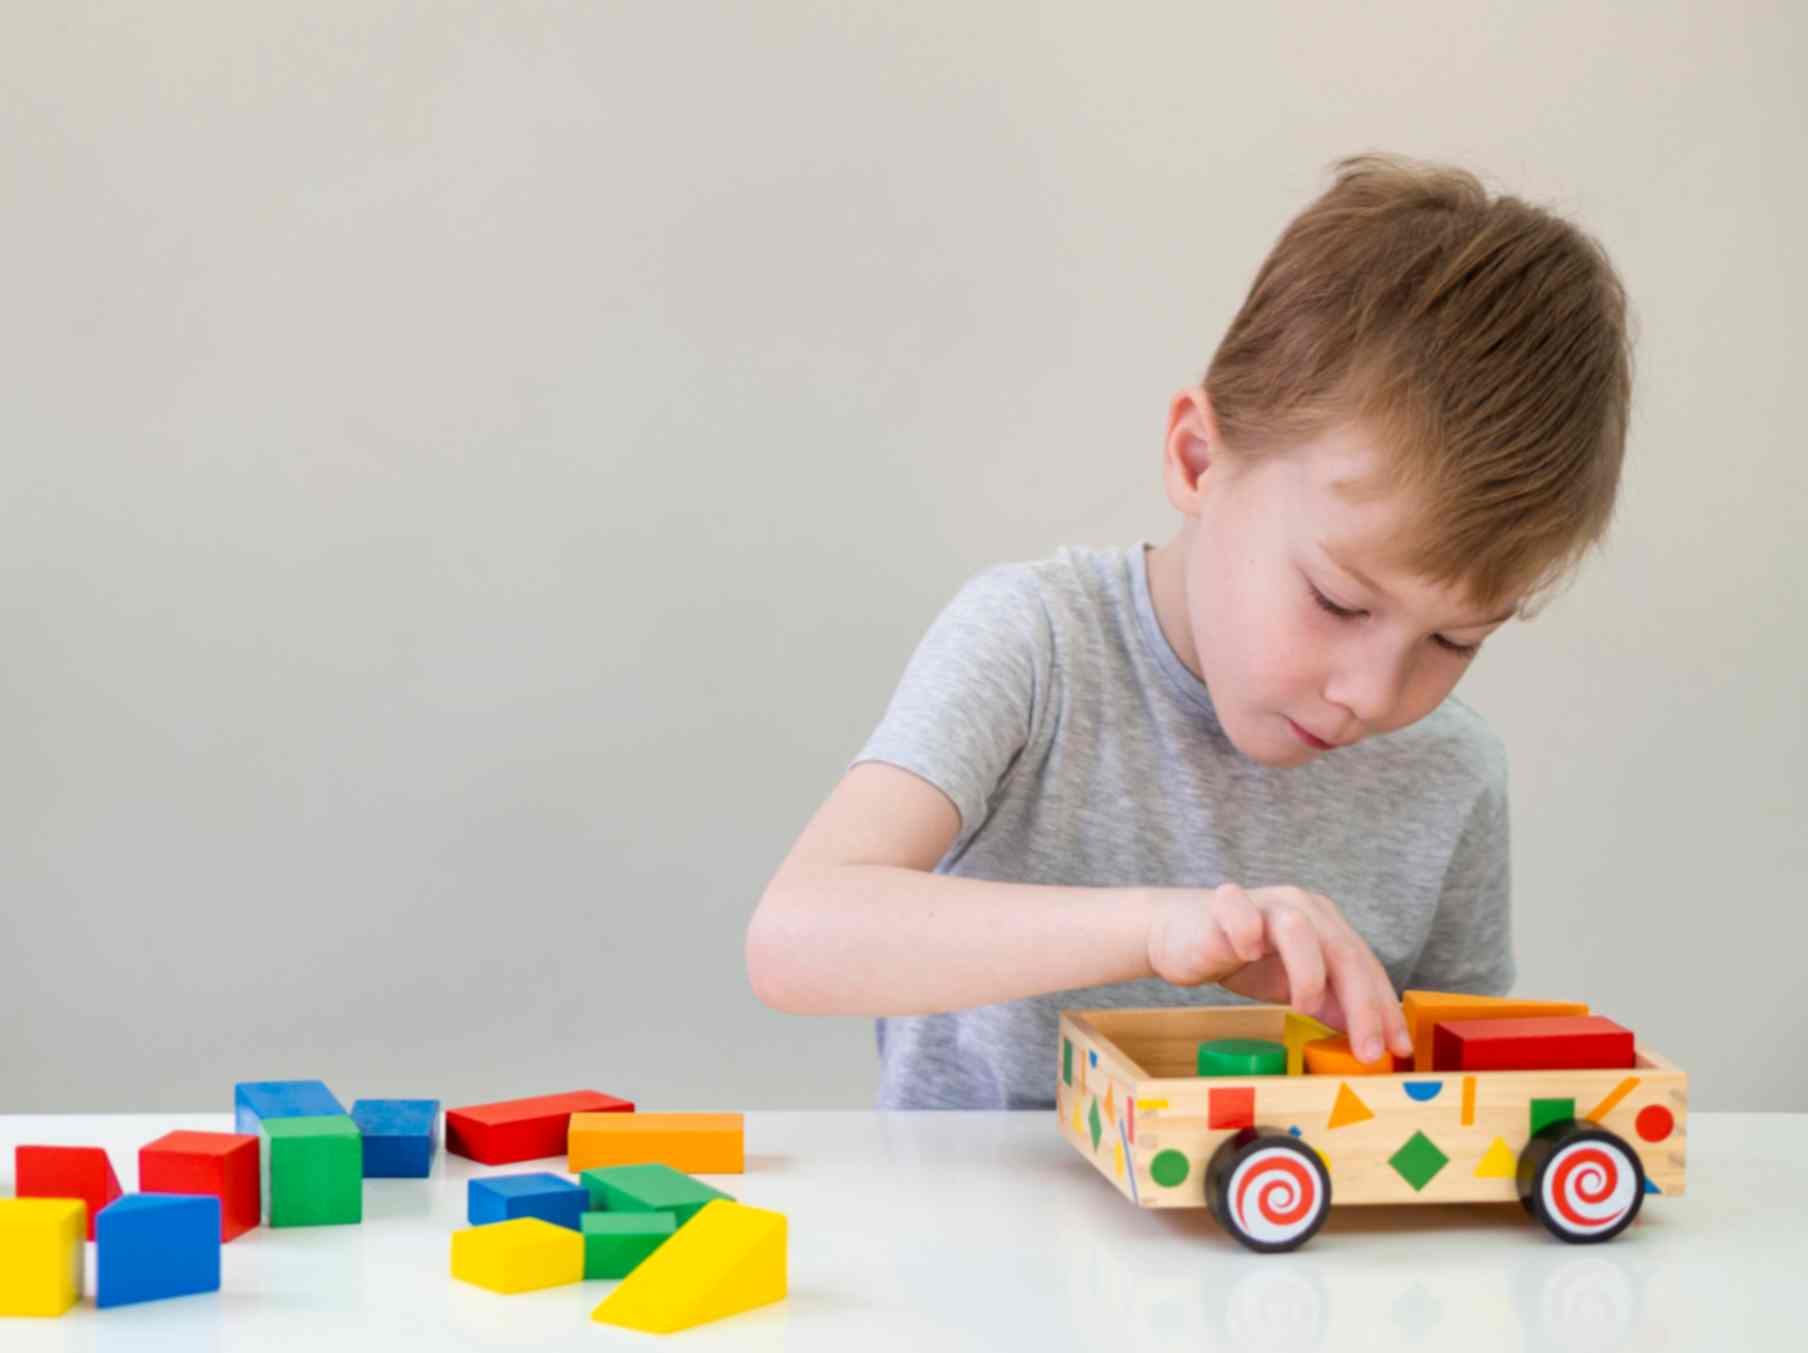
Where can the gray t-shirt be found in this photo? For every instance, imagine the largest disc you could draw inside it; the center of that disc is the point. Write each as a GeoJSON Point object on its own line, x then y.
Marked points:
{"type": "Point", "coordinates": [1048, 705]}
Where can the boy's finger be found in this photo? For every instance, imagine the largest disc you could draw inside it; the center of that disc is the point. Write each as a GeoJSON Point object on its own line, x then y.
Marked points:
{"type": "Point", "coordinates": [1294, 936]}
{"type": "Point", "coordinates": [1363, 998]}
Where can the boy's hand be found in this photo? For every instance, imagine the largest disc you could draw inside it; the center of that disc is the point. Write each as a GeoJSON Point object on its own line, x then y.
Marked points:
{"type": "Point", "coordinates": [1282, 945]}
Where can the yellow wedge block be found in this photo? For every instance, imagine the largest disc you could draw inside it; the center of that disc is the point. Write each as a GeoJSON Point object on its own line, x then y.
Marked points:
{"type": "Point", "coordinates": [520, 1255]}
{"type": "Point", "coordinates": [42, 1242]}
{"type": "Point", "coordinates": [727, 1259]}
{"type": "Point", "coordinates": [1423, 1009]}
{"type": "Point", "coordinates": [697, 1143]}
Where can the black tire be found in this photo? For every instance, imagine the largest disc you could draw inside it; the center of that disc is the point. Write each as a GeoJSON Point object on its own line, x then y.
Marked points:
{"type": "Point", "coordinates": [1240, 1184]}
{"type": "Point", "coordinates": [1581, 1181]}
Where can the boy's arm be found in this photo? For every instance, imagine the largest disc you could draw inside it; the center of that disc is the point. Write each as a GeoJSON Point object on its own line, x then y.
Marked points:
{"type": "Point", "coordinates": [855, 922]}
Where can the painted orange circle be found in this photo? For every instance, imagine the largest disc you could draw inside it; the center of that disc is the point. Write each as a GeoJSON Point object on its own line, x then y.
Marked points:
{"type": "Point", "coordinates": [1655, 1122]}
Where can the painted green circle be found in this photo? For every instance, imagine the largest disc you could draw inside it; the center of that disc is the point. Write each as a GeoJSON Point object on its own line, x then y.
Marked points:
{"type": "Point", "coordinates": [1169, 1169]}
{"type": "Point", "coordinates": [1242, 1057]}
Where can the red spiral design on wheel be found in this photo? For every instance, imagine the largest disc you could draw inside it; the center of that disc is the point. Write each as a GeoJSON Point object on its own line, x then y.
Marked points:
{"type": "Point", "coordinates": [1589, 1176]}
{"type": "Point", "coordinates": [1279, 1174]}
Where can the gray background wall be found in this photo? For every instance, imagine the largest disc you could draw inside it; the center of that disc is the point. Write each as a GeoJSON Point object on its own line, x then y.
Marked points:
{"type": "Point", "coordinates": [473, 473]}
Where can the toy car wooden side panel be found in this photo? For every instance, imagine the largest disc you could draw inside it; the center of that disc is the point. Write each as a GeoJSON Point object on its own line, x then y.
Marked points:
{"type": "Point", "coordinates": [1128, 1099]}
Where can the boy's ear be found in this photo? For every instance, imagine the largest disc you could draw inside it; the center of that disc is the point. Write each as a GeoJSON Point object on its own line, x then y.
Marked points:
{"type": "Point", "coordinates": [1191, 449]}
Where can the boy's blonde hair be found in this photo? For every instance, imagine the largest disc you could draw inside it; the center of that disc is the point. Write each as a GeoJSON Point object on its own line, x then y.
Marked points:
{"type": "Point", "coordinates": [1483, 342]}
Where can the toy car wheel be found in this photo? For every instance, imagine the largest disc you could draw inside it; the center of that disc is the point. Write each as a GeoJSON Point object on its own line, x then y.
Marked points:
{"type": "Point", "coordinates": [1268, 1189]}
{"type": "Point", "coordinates": [1583, 1182]}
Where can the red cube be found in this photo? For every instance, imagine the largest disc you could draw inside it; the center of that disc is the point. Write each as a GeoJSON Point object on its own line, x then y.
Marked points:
{"type": "Point", "coordinates": [66, 1172]}
{"type": "Point", "coordinates": [1537, 1043]}
{"type": "Point", "coordinates": [514, 1130]}
{"type": "Point", "coordinates": [224, 1164]}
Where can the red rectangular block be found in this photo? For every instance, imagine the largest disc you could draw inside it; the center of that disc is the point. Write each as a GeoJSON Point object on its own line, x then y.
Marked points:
{"type": "Point", "coordinates": [1544, 1043]}
{"type": "Point", "coordinates": [66, 1172]}
{"type": "Point", "coordinates": [512, 1130]}
{"type": "Point", "coordinates": [224, 1164]}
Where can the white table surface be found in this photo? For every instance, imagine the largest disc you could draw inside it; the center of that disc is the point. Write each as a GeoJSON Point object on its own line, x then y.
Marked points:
{"type": "Point", "coordinates": [987, 1230]}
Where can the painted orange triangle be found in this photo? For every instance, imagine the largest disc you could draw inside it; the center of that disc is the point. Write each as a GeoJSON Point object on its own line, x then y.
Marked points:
{"type": "Point", "coordinates": [1349, 1108]}
{"type": "Point", "coordinates": [1110, 1104]}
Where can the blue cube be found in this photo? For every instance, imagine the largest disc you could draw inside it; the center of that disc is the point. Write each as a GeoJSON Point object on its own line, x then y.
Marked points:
{"type": "Point", "coordinates": [254, 1101]}
{"type": "Point", "coordinates": [546, 1196]}
{"type": "Point", "coordinates": [400, 1136]}
{"type": "Point", "coordinates": [153, 1245]}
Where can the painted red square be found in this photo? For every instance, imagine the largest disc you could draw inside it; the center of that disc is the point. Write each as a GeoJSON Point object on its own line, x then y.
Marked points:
{"type": "Point", "coordinates": [224, 1164]}
{"type": "Point", "coordinates": [1232, 1107]}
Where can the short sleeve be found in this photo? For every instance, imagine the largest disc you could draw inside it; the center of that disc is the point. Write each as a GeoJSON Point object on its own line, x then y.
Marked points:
{"type": "Point", "coordinates": [967, 702]}
{"type": "Point", "coordinates": [1470, 947]}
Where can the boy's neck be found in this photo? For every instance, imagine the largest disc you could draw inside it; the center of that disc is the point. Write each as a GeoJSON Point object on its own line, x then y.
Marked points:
{"type": "Point", "coordinates": [1167, 594]}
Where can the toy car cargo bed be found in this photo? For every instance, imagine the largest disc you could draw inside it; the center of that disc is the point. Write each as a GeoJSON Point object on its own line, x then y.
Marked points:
{"type": "Point", "coordinates": [1129, 1100]}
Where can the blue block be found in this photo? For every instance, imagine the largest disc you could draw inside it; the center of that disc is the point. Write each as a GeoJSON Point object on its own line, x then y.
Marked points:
{"type": "Point", "coordinates": [400, 1136]}
{"type": "Point", "coordinates": [152, 1245]}
{"type": "Point", "coordinates": [254, 1101]}
{"type": "Point", "coordinates": [546, 1196]}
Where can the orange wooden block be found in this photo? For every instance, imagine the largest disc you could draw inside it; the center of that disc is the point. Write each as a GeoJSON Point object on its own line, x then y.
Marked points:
{"type": "Point", "coordinates": [701, 1143]}
{"type": "Point", "coordinates": [1332, 1057]}
{"type": "Point", "coordinates": [1423, 1010]}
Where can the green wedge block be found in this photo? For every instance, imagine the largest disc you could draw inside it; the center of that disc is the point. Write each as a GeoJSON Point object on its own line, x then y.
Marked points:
{"type": "Point", "coordinates": [313, 1171]}
{"type": "Point", "coordinates": [614, 1242]}
{"type": "Point", "coordinates": [648, 1188]}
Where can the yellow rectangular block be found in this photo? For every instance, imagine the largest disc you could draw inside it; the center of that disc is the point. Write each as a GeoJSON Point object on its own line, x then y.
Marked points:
{"type": "Point", "coordinates": [697, 1143]}
{"type": "Point", "coordinates": [1423, 1009]}
{"type": "Point", "coordinates": [42, 1244]}
{"type": "Point", "coordinates": [523, 1254]}
{"type": "Point", "coordinates": [726, 1259]}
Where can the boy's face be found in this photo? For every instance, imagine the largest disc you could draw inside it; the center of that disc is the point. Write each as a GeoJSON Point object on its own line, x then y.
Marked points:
{"type": "Point", "coordinates": [1242, 585]}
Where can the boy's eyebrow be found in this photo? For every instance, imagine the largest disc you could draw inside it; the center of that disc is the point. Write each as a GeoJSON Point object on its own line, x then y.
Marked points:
{"type": "Point", "coordinates": [1380, 591]}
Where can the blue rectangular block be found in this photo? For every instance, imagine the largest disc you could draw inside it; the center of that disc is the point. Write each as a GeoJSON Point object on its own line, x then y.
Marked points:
{"type": "Point", "coordinates": [546, 1196]}
{"type": "Point", "coordinates": [400, 1136]}
{"type": "Point", "coordinates": [153, 1245]}
{"type": "Point", "coordinates": [254, 1101]}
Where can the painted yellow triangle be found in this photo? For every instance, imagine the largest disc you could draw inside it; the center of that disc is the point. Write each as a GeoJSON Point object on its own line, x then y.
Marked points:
{"type": "Point", "coordinates": [1079, 1126]}
{"type": "Point", "coordinates": [1349, 1108]}
{"type": "Point", "coordinates": [1499, 1163]}
{"type": "Point", "coordinates": [726, 1259]}
{"type": "Point", "coordinates": [1301, 1030]}
{"type": "Point", "coordinates": [1118, 1151]}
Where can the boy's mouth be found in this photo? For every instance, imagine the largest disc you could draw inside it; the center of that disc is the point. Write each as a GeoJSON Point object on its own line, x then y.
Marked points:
{"type": "Point", "coordinates": [1308, 738]}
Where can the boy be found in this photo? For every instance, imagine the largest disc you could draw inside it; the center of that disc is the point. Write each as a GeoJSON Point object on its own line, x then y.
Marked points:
{"type": "Point", "coordinates": [1232, 766]}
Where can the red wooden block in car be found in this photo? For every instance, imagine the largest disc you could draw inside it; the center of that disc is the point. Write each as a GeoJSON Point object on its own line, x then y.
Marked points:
{"type": "Point", "coordinates": [1541, 1043]}
{"type": "Point", "coordinates": [224, 1164]}
{"type": "Point", "coordinates": [66, 1172]}
{"type": "Point", "coordinates": [512, 1130]}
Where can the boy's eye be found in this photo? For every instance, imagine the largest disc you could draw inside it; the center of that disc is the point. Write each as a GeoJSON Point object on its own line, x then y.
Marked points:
{"type": "Point", "coordinates": [1449, 645]}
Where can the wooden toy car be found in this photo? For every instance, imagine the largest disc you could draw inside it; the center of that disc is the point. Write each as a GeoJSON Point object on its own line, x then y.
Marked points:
{"type": "Point", "coordinates": [1269, 1154]}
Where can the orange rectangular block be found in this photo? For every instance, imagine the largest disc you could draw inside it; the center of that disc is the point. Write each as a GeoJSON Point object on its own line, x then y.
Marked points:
{"type": "Point", "coordinates": [700, 1143]}
{"type": "Point", "coordinates": [1424, 1009]}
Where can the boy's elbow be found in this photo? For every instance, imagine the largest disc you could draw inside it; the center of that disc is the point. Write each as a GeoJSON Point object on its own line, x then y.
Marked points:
{"type": "Point", "coordinates": [766, 952]}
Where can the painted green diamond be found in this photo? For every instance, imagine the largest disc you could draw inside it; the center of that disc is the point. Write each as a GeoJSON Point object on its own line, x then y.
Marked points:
{"type": "Point", "coordinates": [1098, 1128]}
{"type": "Point", "coordinates": [1418, 1161]}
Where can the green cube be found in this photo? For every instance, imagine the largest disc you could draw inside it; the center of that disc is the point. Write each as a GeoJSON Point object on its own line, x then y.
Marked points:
{"type": "Point", "coordinates": [614, 1242]}
{"type": "Point", "coordinates": [648, 1188]}
{"type": "Point", "coordinates": [313, 1171]}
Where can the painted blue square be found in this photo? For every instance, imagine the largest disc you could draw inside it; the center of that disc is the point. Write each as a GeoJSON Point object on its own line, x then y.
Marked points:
{"type": "Point", "coordinates": [400, 1136]}
{"type": "Point", "coordinates": [546, 1196]}
{"type": "Point", "coordinates": [153, 1245]}
{"type": "Point", "coordinates": [254, 1101]}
